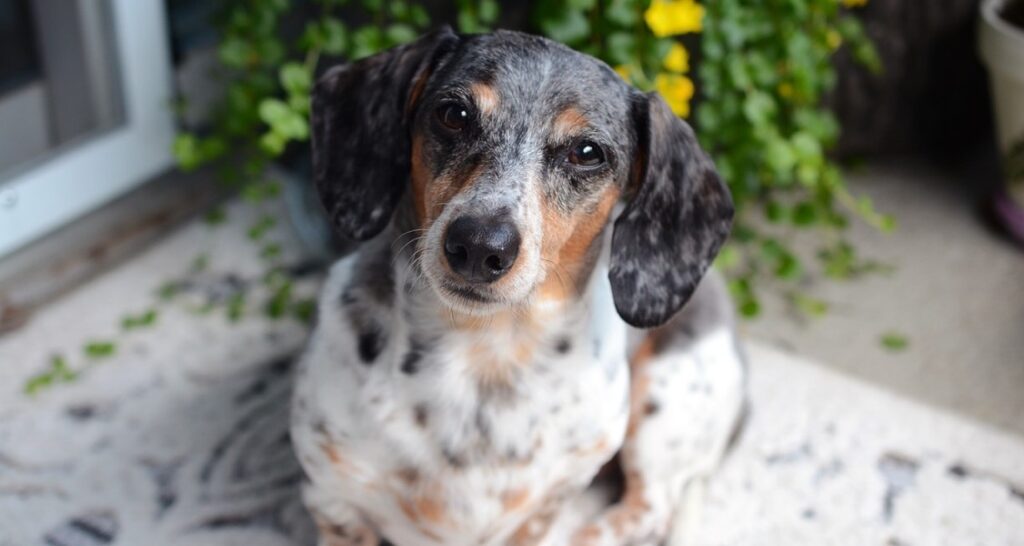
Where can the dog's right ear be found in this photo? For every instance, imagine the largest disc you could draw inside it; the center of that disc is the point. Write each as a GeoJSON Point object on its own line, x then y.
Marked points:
{"type": "Point", "coordinates": [360, 138]}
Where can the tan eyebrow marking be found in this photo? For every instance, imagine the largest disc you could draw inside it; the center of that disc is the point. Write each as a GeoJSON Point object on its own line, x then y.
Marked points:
{"type": "Point", "coordinates": [486, 97]}
{"type": "Point", "coordinates": [569, 122]}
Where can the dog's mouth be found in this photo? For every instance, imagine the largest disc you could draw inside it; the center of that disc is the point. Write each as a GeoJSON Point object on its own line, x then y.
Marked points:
{"type": "Point", "coordinates": [467, 293]}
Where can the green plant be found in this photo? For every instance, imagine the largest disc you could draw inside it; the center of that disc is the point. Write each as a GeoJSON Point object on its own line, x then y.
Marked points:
{"type": "Point", "coordinates": [763, 69]}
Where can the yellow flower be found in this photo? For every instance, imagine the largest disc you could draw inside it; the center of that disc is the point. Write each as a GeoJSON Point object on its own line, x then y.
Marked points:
{"type": "Point", "coordinates": [677, 91]}
{"type": "Point", "coordinates": [833, 39]}
{"type": "Point", "coordinates": [671, 17]}
{"type": "Point", "coordinates": [678, 59]}
{"type": "Point", "coordinates": [625, 71]}
{"type": "Point", "coordinates": [855, 3]}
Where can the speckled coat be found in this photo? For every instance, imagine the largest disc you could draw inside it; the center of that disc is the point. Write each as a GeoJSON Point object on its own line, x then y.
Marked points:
{"type": "Point", "coordinates": [432, 408]}
{"type": "Point", "coordinates": [401, 428]}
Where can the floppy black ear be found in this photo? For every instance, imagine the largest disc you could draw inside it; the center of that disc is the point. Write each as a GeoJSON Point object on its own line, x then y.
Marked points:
{"type": "Point", "coordinates": [675, 223]}
{"type": "Point", "coordinates": [360, 137]}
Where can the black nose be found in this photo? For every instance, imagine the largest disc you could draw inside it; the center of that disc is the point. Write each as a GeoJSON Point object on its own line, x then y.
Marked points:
{"type": "Point", "coordinates": [481, 249]}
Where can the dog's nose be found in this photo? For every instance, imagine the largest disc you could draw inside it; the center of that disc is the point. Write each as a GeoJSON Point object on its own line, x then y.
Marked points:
{"type": "Point", "coordinates": [481, 249]}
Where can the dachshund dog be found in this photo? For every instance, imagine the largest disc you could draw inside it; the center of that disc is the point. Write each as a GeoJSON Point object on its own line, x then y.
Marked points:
{"type": "Point", "coordinates": [493, 343]}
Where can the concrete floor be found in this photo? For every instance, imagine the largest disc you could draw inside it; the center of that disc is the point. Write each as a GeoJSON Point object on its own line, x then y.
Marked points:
{"type": "Point", "coordinates": [957, 294]}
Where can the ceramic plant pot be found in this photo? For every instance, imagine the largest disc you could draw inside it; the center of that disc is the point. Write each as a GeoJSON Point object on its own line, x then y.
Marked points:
{"type": "Point", "coordinates": [1001, 44]}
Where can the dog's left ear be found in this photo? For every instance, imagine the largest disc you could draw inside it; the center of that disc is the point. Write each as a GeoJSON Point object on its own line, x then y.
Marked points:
{"type": "Point", "coordinates": [360, 137]}
{"type": "Point", "coordinates": [673, 227]}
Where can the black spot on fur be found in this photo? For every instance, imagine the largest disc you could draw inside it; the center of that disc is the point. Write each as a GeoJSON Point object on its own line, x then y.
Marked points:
{"type": "Point", "coordinates": [420, 415]}
{"type": "Point", "coordinates": [455, 460]}
{"type": "Point", "coordinates": [371, 343]}
{"type": "Point", "coordinates": [483, 426]}
{"type": "Point", "coordinates": [410, 364]}
{"type": "Point", "coordinates": [347, 298]}
{"type": "Point", "coordinates": [651, 407]}
{"type": "Point", "coordinates": [563, 346]}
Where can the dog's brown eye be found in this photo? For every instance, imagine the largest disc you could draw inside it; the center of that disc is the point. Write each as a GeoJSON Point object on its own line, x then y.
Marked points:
{"type": "Point", "coordinates": [453, 115]}
{"type": "Point", "coordinates": [586, 154]}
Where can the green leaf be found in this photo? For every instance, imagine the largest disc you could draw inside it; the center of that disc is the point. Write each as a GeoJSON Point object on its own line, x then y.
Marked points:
{"type": "Point", "coordinates": [335, 36]}
{"type": "Point", "coordinates": [805, 214]}
{"type": "Point", "coordinates": [399, 33]}
{"type": "Point", "coordinates": [622, 13]}
{"type": "Point", "coordinates": [366, 41]}
{"type": "Point", "coordinates": [399, 10]}
{"type": "Point", "coordinates": [569, 27]}
{"type": "Point", "coordinates": [750, 308]}
{"type": "Point", "coordinates": [778, 154]}
{"type": "Point", "coordinates": [810, 306]}
{"type": "Point", "coordinates": [788, 267]}
{"type": "Point", "coordinates": [728, 258]}
{"type": "Point", "coordinates": [100, 349]}
{"type": "Point", "coordinates": [215, 216]}
{"type": "Point", "coordinates": [58, 372]}
{"type": "Point", "coordinates": [738, 72]}
{"type": "Point", "coordinates": [468, 22]}
{"type": "Point", "coordinates": [168, 290]}
{"type": "Point", "coordinates": [273, 143]}
{"type": "Point", "coordinates": [280, 301]}
{"type": "Point", "coordinates": [621, 47]}
{"type": "Point", "coordinates": [274, 111]}
{"type": "Point", "coordinates": [304, 310]}
{"type": "Point", "coordinates": [759, 107]}
{"type": "Point", "coordinates": [270, 251]}
{"type": "Point", "coordinates": [808, 149]}
{"type": "Point", "coordinates": [38, 382]}
{"type": "Point", "coordinates": [148, 318]}
{"type": "Point", "coordinates": [235, 52]}
{"type": "Point", "coordinates": [186, 152]}
{"type": "Point", "coordinates": [894, 341]}
{"type": "Point", "coordinates": [261, 227]}
{"type": "Point", "coordinates": [295, 78]}
{"type": "Point", "coordinates": [776, 212]}
{"type": "Point", "coordinates": [236, 306]}
{"type": "Point", "coordinates": [488, 11]}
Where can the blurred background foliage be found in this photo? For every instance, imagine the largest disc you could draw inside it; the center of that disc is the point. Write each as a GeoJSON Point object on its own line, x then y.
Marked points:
{"type": "Point", "coordinates": [751, 76]}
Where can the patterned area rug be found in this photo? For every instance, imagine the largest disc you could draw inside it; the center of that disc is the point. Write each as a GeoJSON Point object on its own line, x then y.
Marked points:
{"type": "Point", "coordinates": [179, 436]}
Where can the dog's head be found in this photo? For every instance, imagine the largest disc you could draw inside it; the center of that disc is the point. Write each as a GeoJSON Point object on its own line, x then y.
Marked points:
{"type": "Point", "coordinates": [515, 150]}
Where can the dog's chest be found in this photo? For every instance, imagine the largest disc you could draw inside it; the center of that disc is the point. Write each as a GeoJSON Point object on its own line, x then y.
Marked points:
{"type": "Point", "coordinates": [457, 437]}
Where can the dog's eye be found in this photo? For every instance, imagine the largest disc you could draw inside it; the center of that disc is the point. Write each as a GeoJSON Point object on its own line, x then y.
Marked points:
{"type": "Point", "coordinates": [453, 115]}
{"type": "Point", "coordinates": [586, 154]}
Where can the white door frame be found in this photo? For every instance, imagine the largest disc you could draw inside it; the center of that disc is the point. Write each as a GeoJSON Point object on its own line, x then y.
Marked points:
{"type": "Point", "coordinates": [90, 173]}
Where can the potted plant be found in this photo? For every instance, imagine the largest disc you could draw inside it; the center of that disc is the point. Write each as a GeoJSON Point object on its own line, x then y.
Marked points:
{"type": "Point", "coordinates": [1001, 42]}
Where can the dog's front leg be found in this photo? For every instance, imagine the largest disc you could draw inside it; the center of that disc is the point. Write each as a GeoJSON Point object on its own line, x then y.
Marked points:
{"type": "Point", "coordinates": [685, 399]}
{"type": "Point", "coordinates": [645, 507]}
